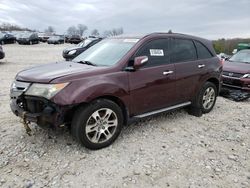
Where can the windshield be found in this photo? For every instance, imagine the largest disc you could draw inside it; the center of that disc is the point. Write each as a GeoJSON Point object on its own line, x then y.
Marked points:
{"type": "Point", "coordinates": [84, 43]}
{"type": "Point", "coordinates": [107, 52]}
{"type": "Point", "coordinates": [54, 38]}
{"type": "Point", "coordinates": [26, 35]}
{"type": "Point", "coordinates": [1, 35]}
{"type": "Point", "coordinates": [242, 57]}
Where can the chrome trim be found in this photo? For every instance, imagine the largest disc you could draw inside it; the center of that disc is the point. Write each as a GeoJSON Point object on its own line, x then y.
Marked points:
{"type": "Point", "coordinates": [163, 110]}
{"type": "Point", "coordinates": [168, 72]}
{"type": "Point", "coordinates": [236, 78]}
{"type": "Point", "coordinates": [201, 66]}
{"type": "Point", "coordinates": [228, 85]}
{"type": "Point", "coordinates": [246, 76]}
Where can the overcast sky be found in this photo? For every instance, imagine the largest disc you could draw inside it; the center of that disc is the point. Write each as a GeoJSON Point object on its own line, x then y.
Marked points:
{"type": "Point", "coordinates": [206, 18]}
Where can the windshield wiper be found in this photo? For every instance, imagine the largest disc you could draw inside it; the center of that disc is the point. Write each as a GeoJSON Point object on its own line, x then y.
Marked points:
{"type": "Point", "coordinates": [87, 63]}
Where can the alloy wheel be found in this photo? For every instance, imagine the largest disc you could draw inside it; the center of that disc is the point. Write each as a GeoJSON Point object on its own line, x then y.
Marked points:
{"type": "Point", "coordinates": [101, 125]}
{"type": "Point", "coordinates": [208, 98]}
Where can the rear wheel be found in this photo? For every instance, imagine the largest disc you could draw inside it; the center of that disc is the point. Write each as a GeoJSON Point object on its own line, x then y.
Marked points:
{"type": "Point", "coordinates": [205, 100]}
{"type": "Point", "coordinates": [98, 124]}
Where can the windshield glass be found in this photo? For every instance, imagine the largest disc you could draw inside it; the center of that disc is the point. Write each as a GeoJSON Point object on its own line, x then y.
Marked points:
{"type": "Point", "coordinates": [84, 43]}
{"type": "Point", "coordinates": [1, 35]}
{"type": "Point", "coordinates": [107, 52]}
{"type": "Point", "coordinates": [26, 35]}
{"type": "Point", "coordinates": [54, 38]}
{"type": "Point", "coordinates": [242, 57]}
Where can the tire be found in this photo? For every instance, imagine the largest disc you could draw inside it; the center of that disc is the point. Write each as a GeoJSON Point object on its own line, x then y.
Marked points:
{"type": "Point", "coordinates": [205, 100]}
{"type": "Point", "coordinates": [101, 132]}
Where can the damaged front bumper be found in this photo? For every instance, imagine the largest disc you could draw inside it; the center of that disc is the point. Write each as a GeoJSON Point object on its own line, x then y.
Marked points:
{"type": "Point", "coordinates": [241, 84]}
{"type": "Point", "coordinates": [39, 110]}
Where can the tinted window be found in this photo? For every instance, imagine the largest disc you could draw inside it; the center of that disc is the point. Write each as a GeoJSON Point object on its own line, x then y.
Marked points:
{"type": "Point", "coordinates": [202, 51]}
{"type": "Point", "coordinates": [182, 50]}
{"type": "Point", "coordinates": [157, 52]}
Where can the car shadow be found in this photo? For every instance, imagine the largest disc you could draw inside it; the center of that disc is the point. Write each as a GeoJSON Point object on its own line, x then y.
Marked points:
{"type": "Point", "coordinates": [61, 137]}
{"type": "Point", "coordinates": [235, 95]}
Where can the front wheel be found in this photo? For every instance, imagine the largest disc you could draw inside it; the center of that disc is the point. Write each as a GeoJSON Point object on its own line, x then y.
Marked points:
{"type": "Point", "coordinates": [98, 124]}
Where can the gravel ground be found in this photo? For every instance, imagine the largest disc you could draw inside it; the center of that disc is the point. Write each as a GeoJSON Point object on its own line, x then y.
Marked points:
{"type": "Point", "coordinates": [169, 150]}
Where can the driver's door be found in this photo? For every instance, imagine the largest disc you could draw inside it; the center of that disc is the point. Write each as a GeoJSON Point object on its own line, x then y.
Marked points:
{"type": "Point", "coordinates": [152, 86]}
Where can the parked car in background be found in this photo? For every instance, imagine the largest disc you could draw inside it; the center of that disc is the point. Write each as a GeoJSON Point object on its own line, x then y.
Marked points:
{"type": "Point", "coordinates": [66, 38]}
{"type": "Point", "coordinates": [18, 36]}
{"type": "Point", "coordinates": [43, 37]}
{"type": "Point", "coordinates": [2, 54]}
{"type": "Point", "coordinates": [28, 38]}
{"type": "Point", "coordinates": [75, 39]}
{"type": "Point", "coordinates": [117, 80]}
{"type": "Point", "coordinates": [6, 38]}
{"type": "Point", "coordinates": [56, 40]}
{"type": "Point", "coordinates": [236, 72]}
{"type": "Point", "coordinates": [72, 52]}
{"type": "Point", "coordinates": [223, 56]}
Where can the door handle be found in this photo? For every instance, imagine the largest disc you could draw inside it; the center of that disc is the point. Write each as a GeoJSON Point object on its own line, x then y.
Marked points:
{"type": "Point", "coordinates": [168, 72]}
{"type": "Point", "coordinates": [201, 66]}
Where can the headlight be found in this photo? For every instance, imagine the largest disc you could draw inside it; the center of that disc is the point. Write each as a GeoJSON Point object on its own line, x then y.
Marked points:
{"type": "Point", "coordinates": [246, 76]}
{"type": "Point", "coordinates": [72, 52]}
{"type": "Point", "coordinates": [45, 90]}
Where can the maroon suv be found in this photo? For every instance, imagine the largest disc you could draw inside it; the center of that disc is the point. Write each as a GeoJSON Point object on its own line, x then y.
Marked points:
{"type": "Point", "coordinates": [117, 80]}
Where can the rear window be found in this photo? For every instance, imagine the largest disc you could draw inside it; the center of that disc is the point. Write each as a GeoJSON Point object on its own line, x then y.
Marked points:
{"type": "Point", "coordinates": [202, 51]}
{"type": "Point", "coordinates": [182, 50]}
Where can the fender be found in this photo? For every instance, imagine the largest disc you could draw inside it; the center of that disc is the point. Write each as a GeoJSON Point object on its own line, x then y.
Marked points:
{"type": "Point", "coordinates": [89, 88]}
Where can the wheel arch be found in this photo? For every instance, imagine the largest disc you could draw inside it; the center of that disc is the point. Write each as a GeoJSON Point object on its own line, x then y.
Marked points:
{"type": "Point", "coordinates": [119, 102]}
{"type": "Point", "coordinates": [114, 99]}
{"type": "Point", "coordinates": [216, 82]}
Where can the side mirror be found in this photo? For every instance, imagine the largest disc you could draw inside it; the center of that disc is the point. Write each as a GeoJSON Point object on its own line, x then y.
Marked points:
{"type": "Point", "coordinates": [140, 61]}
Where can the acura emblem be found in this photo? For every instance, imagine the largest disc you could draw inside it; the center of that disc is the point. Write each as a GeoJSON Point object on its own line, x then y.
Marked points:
{"type": "Point", "coordinates": [231, 74]}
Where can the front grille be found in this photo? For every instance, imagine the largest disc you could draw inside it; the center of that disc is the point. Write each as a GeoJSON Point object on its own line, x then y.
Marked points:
{"type": "Point", "coordinates": [34, 105]}
{"type": "Point", "coordinates": [232, 82]}
{"type": "Point", "coordinates": [233, 74]}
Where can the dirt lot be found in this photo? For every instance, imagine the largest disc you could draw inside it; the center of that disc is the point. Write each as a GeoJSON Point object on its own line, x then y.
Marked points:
{"type": "Point", "coordinates": [170, 150]}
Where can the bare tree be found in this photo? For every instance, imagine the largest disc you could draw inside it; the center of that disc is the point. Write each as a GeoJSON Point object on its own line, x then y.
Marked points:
{"type": "Point", "coordinates": [50, 29]}
{"type": "Point", "coordinates": [113, 32]}
{"type": "Point", "coordinates": [170, 31]}
{"type": "Point", "coordinates": [81, 28]}
{"type": "Point", "coordinates": [12, 27]}
{"type": "Point", "coordinates": [95, 32]}
{"type": "Point", "coordinates": [72, 30]}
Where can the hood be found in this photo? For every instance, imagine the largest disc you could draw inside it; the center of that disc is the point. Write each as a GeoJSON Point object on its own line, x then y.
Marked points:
{"type": "Point", "coordinates": [72, 48]}
{"type": "Point", "coordinates": [236, 67]}
{"type": "Point", "coordinates": [47, 73]}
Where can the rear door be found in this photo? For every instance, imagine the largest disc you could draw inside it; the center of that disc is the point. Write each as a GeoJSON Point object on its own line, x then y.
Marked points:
{"type": "Point", "coordinates": [184, 56]}
{"type": "Point", "coordinates": [153, 86]}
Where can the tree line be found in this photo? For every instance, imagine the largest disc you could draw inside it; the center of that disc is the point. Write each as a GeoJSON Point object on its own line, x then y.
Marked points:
{"type": "Point", "coordinates": [12, 27]}
{"type": "Point", "coordinates": [81, 28]}
{"type": "Point", "coordinates": [78, 29]}
{"type": "Point", "coordinates": [228, 45]}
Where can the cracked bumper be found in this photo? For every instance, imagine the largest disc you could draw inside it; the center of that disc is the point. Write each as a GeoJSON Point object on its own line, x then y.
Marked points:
{"type": "Point", "coordinates": [39, 110]}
